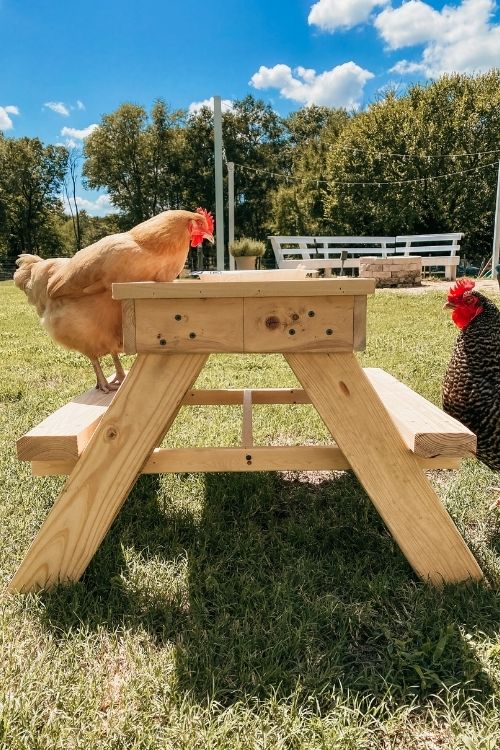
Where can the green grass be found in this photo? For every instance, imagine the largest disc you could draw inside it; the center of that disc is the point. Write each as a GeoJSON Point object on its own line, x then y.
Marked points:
{"type": "Point", "coordinates": [245, 611]}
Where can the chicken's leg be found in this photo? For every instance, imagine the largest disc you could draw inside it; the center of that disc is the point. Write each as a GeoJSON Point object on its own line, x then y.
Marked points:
{"type": "Point", "coordinates": [119, 371]}
{"type": "Point", "coordinates": [102, 384]}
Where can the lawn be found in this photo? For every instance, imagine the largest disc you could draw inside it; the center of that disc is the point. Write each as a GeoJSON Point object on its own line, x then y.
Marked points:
{"type": "Point", "coordinates": [242, 611]}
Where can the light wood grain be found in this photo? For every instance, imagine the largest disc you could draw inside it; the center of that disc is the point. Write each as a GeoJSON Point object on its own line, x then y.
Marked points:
{"type": "Point", "coordinates": [359, 323]}
{"type": "Point", "coordinates": [258, 458]}
{"type": "Point", "coordinates": [195, 289]}
{"type": "Point", "coordinates": [247, 428]}
{"type": "Point", "coordinates": [191, 325]}
{"type": "Point", "coordinates": [128, 326]}
{"type": "Point", "coordinates": [426, 429]}
{"type": "Point", "coordinates": [133, 426]}
{"type": "Point", "coordinates": [309, 324]}
{"type": "Point", "coordinates": [65, 433]}
{"type": "Point", "coordinates": [390, 474]}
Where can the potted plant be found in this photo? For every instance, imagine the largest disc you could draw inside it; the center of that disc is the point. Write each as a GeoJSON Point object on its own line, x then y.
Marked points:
{"type": "Point", "coordinates": [245, 252]}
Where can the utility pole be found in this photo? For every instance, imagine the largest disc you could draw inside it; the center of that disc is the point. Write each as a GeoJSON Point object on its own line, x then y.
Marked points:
{"type": "Point", "coordinates": [230, 200]}
{"type": "Point", "coordinates": [495, 256]}
{"type": "Point", "coordinates": [219, 184]}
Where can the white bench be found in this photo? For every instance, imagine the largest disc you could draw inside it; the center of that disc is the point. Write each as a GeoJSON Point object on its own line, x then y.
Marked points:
{"type": "Point", "coordinates": [437, 250]}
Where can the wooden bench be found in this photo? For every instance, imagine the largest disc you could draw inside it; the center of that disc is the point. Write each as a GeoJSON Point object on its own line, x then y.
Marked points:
{"type": "Point", "coordinates": [439, 441]}
{"type": "Point", "coordinates": [326, 252]}
{"type": "Point", "coordinates": [438, 251]}
{"type": "Point", "coordinates": [380, 429]}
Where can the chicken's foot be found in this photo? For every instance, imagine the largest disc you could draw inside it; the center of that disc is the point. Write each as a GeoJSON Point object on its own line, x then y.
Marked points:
{"type": "Point", "coordinates": [102, 384]}
{"type": "Point", "coordinates": [119, 373]}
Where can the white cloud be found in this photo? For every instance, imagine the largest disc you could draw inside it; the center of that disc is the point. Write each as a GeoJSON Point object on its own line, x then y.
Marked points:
{"type": "Point", "coordinates": [458, 38]}
{"type": "Point", "coordinates": [79, 135]}
{"type": "Point", "coordinates": [80, 105]}
{"type": "Point", "coordinates": [329, 15]}
{"type": "Point", "coordinates": [101, 206]}
{"type": "Point", "coordinates": [6, 121]}
{"type": "Point", "coordinates": [341, 86]}
{"type": "Point", "coordinates": [58, 107]}
{"type": "Point", "coordinates": [412, 23]}
{"type": "Point", "coordinates": [195, 107]}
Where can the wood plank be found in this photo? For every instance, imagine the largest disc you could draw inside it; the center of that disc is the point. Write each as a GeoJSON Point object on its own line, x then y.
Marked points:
{"type": "Point", "coordinates": [247, 430]}
{"type": "Point", "coordinates": [128, 326]}
{"type": "Point", "coordinates": [309, 324]}
{"type": "Point", "coordinates": [390, 474]}
{"type": "Point", "coordinates": [189, 325]}
{"type": "Point", "coordinates": [359, 323]}
{"type": "Point", "coordinates": [138, 417]}
{"type": "Point", "coordinates": [262, 458]}
{"type": "Point", "coordinates": [234, 396]}
{"type": "Point", "coordinates": [196, 289]}
{"type": "Point", "coordinates": [426, 429]}
{"type": "Point", "coordinates": [65, 433]}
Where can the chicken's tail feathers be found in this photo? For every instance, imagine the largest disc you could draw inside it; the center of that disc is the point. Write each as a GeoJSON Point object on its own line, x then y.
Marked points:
{"type": "Point", "coordinates": [24, 264]}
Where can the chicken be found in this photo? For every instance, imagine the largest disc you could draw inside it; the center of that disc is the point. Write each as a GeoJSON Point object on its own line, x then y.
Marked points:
{"type": "Point", "coordinates": [72, 296]}
{"type": "Point", "coordinates": [471, 387]}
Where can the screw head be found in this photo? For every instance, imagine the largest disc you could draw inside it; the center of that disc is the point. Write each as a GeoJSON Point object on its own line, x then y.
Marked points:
{"type": "Point", "coordinates": [163, 342]}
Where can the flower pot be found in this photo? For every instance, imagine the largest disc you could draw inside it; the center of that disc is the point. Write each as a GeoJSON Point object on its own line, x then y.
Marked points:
{"type": "Point", "coordinates": [245, 262]}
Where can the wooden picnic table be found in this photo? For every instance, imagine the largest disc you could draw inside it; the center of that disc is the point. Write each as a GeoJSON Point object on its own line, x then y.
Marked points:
{"type": "Point", "coordinates": [382, 430]}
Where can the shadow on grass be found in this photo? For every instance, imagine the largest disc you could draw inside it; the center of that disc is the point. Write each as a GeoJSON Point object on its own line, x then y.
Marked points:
{"type": "Point", "coordinates": [289, 582]}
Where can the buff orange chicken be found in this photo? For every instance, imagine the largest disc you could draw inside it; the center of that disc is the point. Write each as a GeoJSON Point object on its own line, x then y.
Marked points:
{"type": "Point", "coordinates": [72, 296]}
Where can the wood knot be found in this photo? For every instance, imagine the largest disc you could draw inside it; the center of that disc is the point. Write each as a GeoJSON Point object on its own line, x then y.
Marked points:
{"type": "Point", "coordinates": [272, 322]}
{"type": "Point", "coordinates": [111, 434]}
{"type": "Point", "coordinates": [345, 390]}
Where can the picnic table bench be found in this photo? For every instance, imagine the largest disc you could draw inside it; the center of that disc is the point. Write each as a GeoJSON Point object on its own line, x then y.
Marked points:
{"type": "Point", "coordinates": [435, 250]}
{"type": "Point", "coordinates": [381, 429]}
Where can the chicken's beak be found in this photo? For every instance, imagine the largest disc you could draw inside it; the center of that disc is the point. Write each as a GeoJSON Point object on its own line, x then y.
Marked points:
{"type": "Point", "coordinates": [448, 306]}
{"type": "Point", "coordinates": [209, 237]}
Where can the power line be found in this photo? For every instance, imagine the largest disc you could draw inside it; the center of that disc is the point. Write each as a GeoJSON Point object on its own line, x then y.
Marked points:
{"type": "Point", "coordinates": [409, 155]}
{"type": "Point", "coordinates": [363, 183]}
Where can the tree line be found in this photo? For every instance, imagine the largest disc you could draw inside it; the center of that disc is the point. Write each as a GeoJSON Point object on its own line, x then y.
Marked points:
{"type": "Point", "coordinates": [317, 171]}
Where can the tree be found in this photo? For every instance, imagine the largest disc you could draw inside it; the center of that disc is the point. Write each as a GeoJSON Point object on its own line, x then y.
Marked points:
{"type": "Point", "coordinates": [75, 157]}
{"type": "Point", "coordinates": [407, 141]}
{"type": "Point", "coordinates": [136, 159]}
{"type": "Point", "coordinates": [297, 204]}
{"type": "Point", "coordinates": [31, 178]}
{"type": "Point", "coordinates": [254, 138]}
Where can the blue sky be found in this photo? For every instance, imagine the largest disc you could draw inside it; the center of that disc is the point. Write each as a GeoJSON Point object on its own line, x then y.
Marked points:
{"type": "Point", "coordinates": [63, 65]}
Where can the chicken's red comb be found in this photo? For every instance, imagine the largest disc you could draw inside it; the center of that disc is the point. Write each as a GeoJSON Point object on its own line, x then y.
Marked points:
{"type": "Point", "coordinates": [208, 217]}
{"type": "Point", "coordinates": [461, 286]}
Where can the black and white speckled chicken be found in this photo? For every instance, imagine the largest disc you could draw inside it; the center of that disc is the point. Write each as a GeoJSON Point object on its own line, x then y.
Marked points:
{"type": "Point", "coordinates": [471, 387]}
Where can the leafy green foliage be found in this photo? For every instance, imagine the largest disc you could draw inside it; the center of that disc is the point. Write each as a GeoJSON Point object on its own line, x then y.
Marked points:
{"type": "Point", "coordinates": [247, 246]}
{"type": "Point", "coordinates": [136, 159]}
{"type": "Point", "coordinates": [457, 114]}
{"type": "Point", "coordinates": [31, 177]}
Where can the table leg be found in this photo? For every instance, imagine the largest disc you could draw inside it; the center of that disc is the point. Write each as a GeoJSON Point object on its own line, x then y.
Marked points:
{"type": "Point", "coordinates": [134, 424]}
{"type": "Point", "coordinates": [360, 425]}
